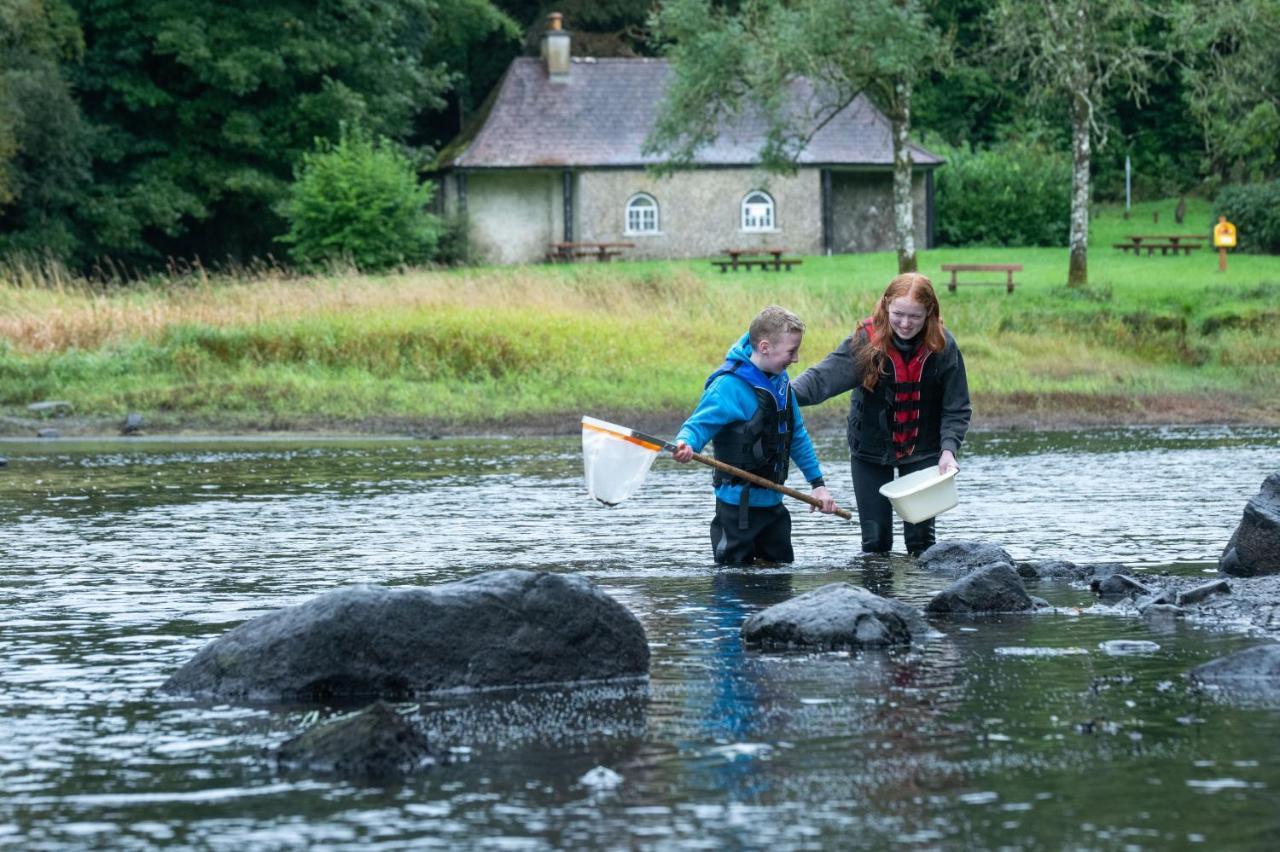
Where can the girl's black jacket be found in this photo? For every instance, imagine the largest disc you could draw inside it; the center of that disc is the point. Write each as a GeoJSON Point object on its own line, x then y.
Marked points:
{"type": "Point", "coordinates": [945, 409]}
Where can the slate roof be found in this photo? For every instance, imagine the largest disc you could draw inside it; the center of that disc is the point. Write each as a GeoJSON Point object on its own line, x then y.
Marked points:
{"type": "Point", "coordinates": [601, 116]}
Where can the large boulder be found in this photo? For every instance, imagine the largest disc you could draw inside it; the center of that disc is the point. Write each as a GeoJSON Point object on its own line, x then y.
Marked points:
{"type": "Point", "coordinates": [1254, 548]}
{"type": "Point", "coordinates": [837, 615]}
{"type": "Point", "coordinates": [996, 588]}
{"type": "Point", "coordinates": [962, 556]}
{"type": "Point", "coordinates": [375, 744]}
{"type": "Point", "coordinates": [502, 628]}
{"type": "Point", "coordinates": [1254, 670]}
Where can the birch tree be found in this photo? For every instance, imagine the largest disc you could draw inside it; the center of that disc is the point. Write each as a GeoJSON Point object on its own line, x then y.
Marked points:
{"type": "Point", "coordinates": [796, 64]}
{"type": "Point", "coordinates": [1077, 53]}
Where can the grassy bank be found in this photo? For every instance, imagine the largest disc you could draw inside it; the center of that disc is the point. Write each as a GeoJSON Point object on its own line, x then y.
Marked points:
{"type": "Point", "coordinates": [1159, 339]}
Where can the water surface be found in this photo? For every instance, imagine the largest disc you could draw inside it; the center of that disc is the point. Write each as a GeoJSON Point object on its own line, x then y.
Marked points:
{"type": "Point", "coordinates": [118, 560]}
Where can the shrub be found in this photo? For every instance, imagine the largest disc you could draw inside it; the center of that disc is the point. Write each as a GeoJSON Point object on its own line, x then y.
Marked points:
{"type": "Point", "coordinates": [1016, 194]}
{"type": "Point", "coordinates": [1254, 209]}
{"type": "Point", "coordinates": [359, 201]}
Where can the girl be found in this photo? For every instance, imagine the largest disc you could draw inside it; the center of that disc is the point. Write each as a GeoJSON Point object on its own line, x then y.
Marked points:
{"type": "Point", "coordinates": [910, 406]}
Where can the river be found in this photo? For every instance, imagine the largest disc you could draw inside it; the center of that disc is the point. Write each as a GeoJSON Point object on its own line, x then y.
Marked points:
{"type": "Point", "coordinates": [119, 559]}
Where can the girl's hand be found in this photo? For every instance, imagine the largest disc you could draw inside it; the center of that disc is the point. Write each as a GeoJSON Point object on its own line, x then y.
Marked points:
{"type": "Point", "coordinates": [947, 462]}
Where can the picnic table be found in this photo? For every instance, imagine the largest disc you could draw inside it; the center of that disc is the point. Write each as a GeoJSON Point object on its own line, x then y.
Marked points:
{"type": "Point", "coordinates": [1007, 268]}
{"type": "Point", "coordinates": [749, 258]}
{"type": "Point", "coordinates": [1166, 243]}
{"type": "Point", "coordinates": [570, 252]}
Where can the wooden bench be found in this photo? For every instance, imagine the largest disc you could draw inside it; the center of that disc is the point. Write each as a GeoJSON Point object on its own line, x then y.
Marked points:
{"type": "Point", "coordinates": [1007, 268]}
{"type": "Point", "coordinates": [782, 263]}
{"type": "Point", "coordinates": [1165, 248]}
{"type": "Point", "coordinates": [572, 252]}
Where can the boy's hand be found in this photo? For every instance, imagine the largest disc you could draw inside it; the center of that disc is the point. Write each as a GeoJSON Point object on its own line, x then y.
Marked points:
{"type": "Point", "coordinates": [828, 502]}
{"type": "Point", "coordinates": [683, 453]}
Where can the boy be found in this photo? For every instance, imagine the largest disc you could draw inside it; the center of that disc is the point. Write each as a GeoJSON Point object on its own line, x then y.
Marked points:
{"type": "Point", "coordinates": [748, 411]}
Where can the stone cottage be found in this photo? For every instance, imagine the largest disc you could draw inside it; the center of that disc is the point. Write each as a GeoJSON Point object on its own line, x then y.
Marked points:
{"type": "Point", "coordinates": [555, 155]}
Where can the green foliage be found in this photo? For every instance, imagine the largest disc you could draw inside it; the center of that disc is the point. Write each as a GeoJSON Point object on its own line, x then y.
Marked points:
{"type": "Point", "coordinates": [1016, 194]}
{"type": "Point", "coordinates": [1255, 211]}
{"type": "Point", "coordinates": [206, 106]}
{"type": "Point", "coordinates": [1231, 73]}
{"type": "Point", "coordinates": [359, 201]}
{"type": "Point", "coordinates": [43, 138]}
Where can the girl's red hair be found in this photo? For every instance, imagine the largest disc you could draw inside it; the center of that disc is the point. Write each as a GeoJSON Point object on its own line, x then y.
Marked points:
{"type": "Point", "coordinates": [873, 358]}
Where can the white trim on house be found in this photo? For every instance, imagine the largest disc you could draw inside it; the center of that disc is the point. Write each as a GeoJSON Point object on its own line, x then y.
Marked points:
{"type": "Point", "coordinates": [642, 216]}
{"type": "Point", "coordinates": [758, 212]}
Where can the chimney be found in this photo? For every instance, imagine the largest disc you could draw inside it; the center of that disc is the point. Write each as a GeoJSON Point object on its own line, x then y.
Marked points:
{"type": "Point", "coordinates": [555, 49]}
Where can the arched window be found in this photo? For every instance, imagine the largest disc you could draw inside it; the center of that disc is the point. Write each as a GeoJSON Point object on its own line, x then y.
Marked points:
{"type": "Point", "coordinates": [757, 211]}
{"type": "Point", "coordinates": [642, 214]}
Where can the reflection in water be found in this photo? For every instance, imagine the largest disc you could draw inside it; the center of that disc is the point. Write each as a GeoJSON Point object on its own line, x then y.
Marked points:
{"type": "Point", "coordinates": [1075, 729]}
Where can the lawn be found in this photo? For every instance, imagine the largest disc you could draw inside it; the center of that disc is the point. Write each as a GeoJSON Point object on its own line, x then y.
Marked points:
{"type": "Point", "coordinates": [1150, 339]}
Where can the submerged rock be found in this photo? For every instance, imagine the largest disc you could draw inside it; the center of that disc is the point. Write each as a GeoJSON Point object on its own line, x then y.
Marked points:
{"type": "Point", "coordinates": [502, 628]}
{"type": "Point", "coordinates": [1254, 548]}
{"type": "Point", "coordinates": [962, 555]}
{"type": "Point", "coordinates": [374, 744]}
{"type": "Point", "coordinates": [1255, 669]}
{"type": "Point", "coordinates": [996, 588]}
{"type": "Point", "coordinates": [837, 615]}
{"type": "Point", "coordinates": [1202, 592]}
{"type": "Point", "coordinates": [1120, 584]}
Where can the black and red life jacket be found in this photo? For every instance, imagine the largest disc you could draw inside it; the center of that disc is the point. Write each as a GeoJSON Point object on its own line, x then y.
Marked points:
{"type": "Point", "coordinates": [904, 397]}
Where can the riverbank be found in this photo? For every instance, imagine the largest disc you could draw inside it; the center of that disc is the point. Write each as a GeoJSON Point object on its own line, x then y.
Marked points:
{"type": "Point", "coordinates": [528, 350]}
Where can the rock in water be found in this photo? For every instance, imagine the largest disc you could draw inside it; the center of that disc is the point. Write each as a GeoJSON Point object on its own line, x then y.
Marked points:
{"type": "Point", "coordinates": [996, 588]}
{"type": "Point", "coordinates": [1254, 670]}
{"type": "Point", "coordinates": [502, 628]}
{"type": "Point", "coordinates": [837, 615]}
{"type": "Point", "coordinates": [963, 555]}
{"type": "Point", "coordinates": [374, 744]}
{"type": "Point", "coordinates": [1254, 548]}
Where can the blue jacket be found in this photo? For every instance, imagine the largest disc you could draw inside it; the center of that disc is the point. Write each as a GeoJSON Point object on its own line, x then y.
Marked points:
{"type": "Point", "coordinates": [727, 400]}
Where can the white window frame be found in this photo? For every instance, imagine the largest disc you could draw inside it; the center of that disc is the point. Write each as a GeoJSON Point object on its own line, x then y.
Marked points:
{"type": "Point", "coordinates": [758, 212]}
{"type": "Point", "coordinates": [640, 204]}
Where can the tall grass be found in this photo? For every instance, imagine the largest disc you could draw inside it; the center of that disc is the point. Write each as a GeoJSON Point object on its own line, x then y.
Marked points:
{"type": "Point", "coordinates": [474, 346]}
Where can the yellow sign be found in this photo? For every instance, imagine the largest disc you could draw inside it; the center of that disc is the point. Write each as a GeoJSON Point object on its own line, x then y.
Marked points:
{"type": "Point", "coordinates": [1224, 233]}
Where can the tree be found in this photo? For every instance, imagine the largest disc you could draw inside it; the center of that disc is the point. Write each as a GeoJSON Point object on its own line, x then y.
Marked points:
{"type": "Point", "coordinates": [203, 107]}
{"type": "Point", "coordinates": [1231, 67]}
{"type": "Point", "coordinates": [359, 201]}
{"type": "Point", "coordinates": [796, 65]}
{"type": "Point", "coordinates": [43, 138]}
{"type": "Point", "coordinates": [1076, 52]}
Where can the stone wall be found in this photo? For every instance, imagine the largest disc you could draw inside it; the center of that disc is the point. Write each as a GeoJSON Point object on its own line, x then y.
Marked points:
{"type": "Point", "coordinates": [700, 212]}
{"type": "Point", "coordinates": [513, 215]}
{"type": "Point", "coordinates": [862, 211]}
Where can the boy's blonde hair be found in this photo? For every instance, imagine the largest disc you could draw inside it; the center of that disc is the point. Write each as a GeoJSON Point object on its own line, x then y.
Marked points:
{"type": "Point", "coordinates": [773, 322]}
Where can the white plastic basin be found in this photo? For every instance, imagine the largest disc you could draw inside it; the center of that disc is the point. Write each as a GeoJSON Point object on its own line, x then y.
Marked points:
{"type": "Point", "coordinates": [921, 495]}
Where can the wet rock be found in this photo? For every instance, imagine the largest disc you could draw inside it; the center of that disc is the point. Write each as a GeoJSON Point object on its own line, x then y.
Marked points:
{"type": "Point", "coordinates": [1255, 669]}
{"type": "Point", "coordinates": [1254, 548]}
{"type": "Point", "coordinates": [1161, 610]}
{"type": "Point", "coordinates": [132, 424]}
{"type": "Point", "coordinates": [374, 744]}
{"type": "Point", "coordinates": [502, 628]}
{"type": "Point", "coordinates": [1119, 584]}
{"type": "Point", "coordinates": [48, 432]}
{"type": "Point", "coordinates": [962, 555]}
{"type": "Point", "coordinates": [1202, 592]}
{"type": "Point", "coordinates": [1165, 597]}
{"type": "Point", "coordinates": [1040, 603]}
{"type": "Point", "coordinates": [837, 615]}
{"type": "Point", "coordinates": [4, 462]}
{"type": "Point", "coordinates": [1101, 570]}
{"type": "Point", "coordinates": [996, 588]}
{"type": "Point", "coordinates": [1056, 569]}
{"type": "Point", "coordinates": [1027, 570]}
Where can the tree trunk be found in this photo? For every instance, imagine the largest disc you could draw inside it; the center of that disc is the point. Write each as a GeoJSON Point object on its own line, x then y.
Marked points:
{"type": "Point", "coordinates": [903, 214]}
{"type": "Point", "coordinates": [1078, 271]}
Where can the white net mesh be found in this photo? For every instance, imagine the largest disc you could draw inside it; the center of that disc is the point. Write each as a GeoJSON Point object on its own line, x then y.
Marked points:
{"type": "Point", "coordinates": [615, 463]}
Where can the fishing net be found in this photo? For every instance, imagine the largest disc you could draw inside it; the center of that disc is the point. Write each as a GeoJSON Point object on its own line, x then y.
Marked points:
{"type": "Point", "coordinates": [616, 459]}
